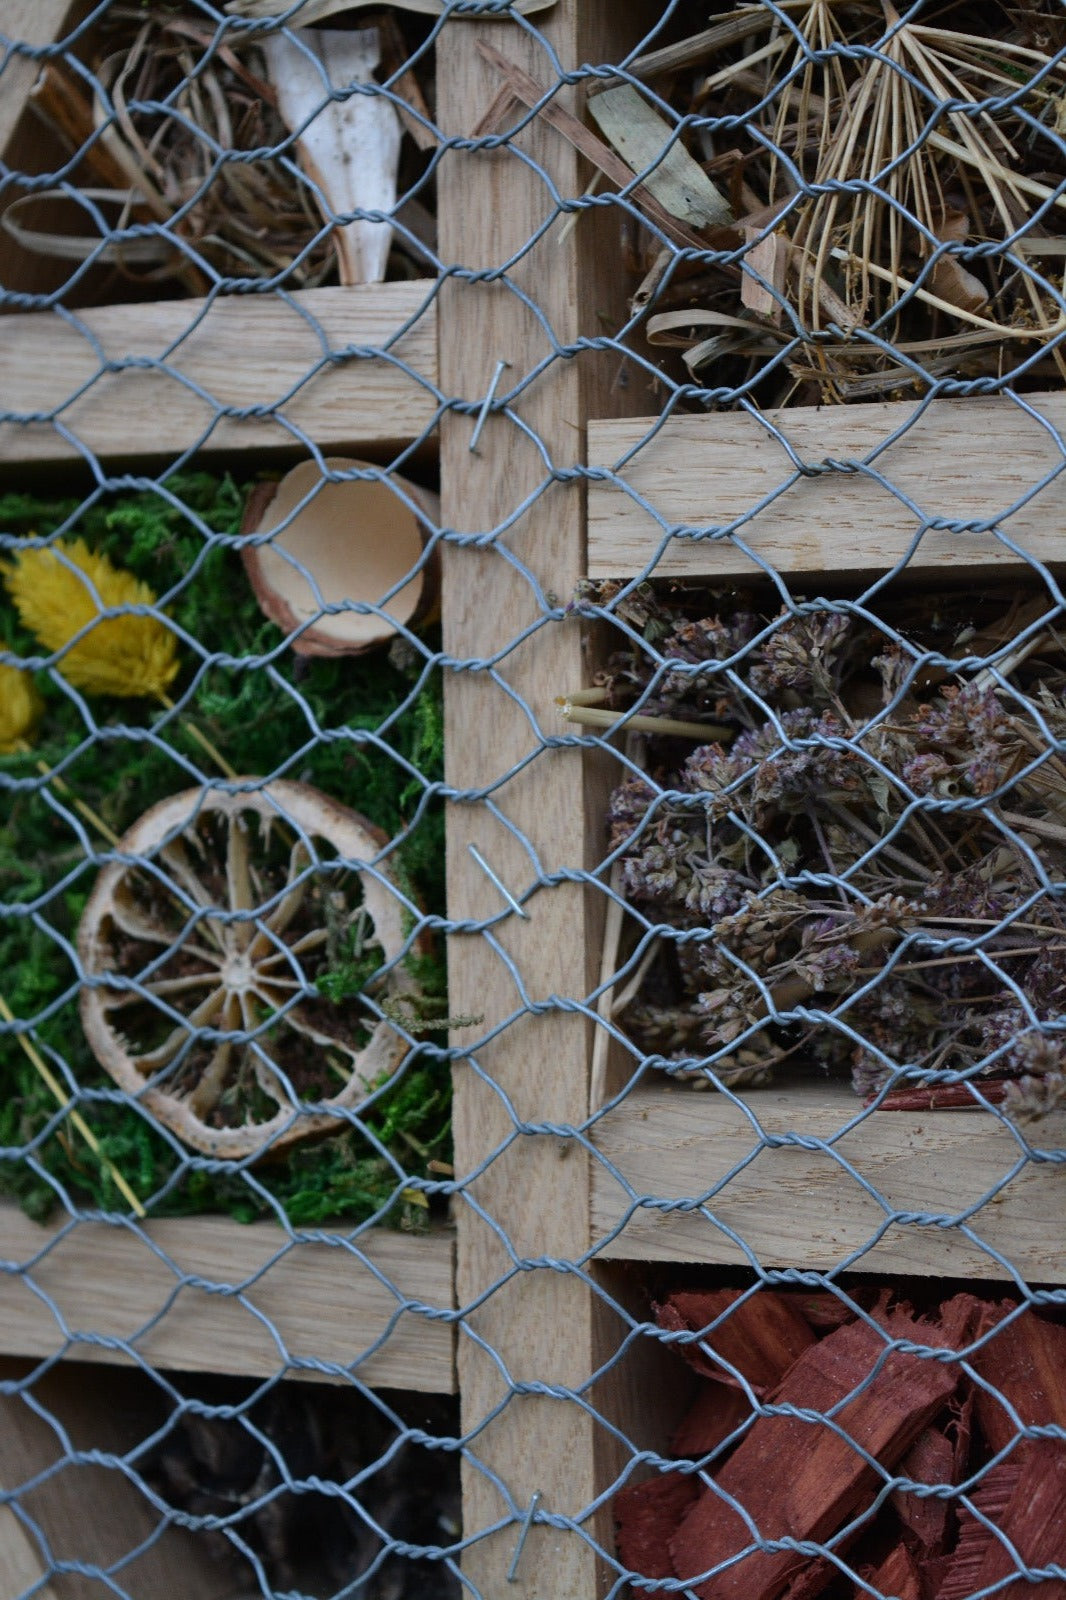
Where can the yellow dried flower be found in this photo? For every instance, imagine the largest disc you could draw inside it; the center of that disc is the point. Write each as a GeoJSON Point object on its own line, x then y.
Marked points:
{"type": "Point", "coordinates": [124, 655]}
{"type": "Point", "coordinates": [20, 708]}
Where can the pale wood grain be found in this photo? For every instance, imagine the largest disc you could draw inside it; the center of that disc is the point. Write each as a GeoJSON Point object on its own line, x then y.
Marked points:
{"type": "Point", "coordinates": [301, 1302]}
{"type": "Point", "coordinates": [32, 22]}
{"type": "Point", "coordinates": [91, 1513]}
{"type": "Point", "coordinates": [969, 459]}
{"type": "Point", "coordinates": [247, 351]}
{"type": "Point", "coordinates": [21, 1565]}
{"type": "Point", "coordinates": [540, 1322]}
{"type": "Point", "coordinates": [800, 1208]}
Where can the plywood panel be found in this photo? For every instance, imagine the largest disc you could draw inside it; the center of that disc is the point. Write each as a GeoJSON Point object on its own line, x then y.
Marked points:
{"type": "Point", "coordinates": [879, 476]}
{"type": "Point", "coordinates": [794, 1206]}
{"type": "Point", "coordinates": [75, 1289]}
{"type": "Point", "coordinates": [89, 376]}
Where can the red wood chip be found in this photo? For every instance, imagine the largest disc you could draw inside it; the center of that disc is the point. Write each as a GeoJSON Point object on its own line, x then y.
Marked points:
{"type": "Point", "coordinates": [1025, 1497]}
{"type": "Point", "coordinates": [925, 1518]}
{"type": "Point", "coordinates": [897, 1576]}
{"type": "Point", "coordinates": [803, 1479]}
{"type": "Point", "coordinates": [647, 1515]}
{"type": "Point", "coordinates": [761, 1337]}
{"type": "Point", "coordinates": [717, 1411]}
{"type": "Point", "coordinates": [1026, 1362]}
{"type": "Point", "coordinates": [823, 1309]}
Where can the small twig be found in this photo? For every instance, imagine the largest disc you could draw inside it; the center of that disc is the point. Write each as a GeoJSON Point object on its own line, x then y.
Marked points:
{"type": "Point", "coordinates": [850, 820]}
{"type": "Point", "coordinates": [943, 1097]}
{"type": "Point", "coordinates": [1038, 825]}
{"type": "Point", "coordinates": [636, 722]}
{"type": "Point", "coordinates": [536, 97]}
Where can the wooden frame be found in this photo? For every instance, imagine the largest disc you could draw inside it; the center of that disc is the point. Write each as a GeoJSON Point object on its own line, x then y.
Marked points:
{"type": "Point", "coordinates": [527, 1207]}
{"type": "Point", "coordinates": [532, 1331]}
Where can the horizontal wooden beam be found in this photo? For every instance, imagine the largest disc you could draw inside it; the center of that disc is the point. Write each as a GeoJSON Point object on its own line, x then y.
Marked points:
{"type": "Point", "coordinates": [248, 372]}
{"type": "Point", "coordinates": [796, 1207]}
{"type": "Point", "coordinates": [968, 460]}
{"type": "Point", "coordinates": [297, 1301]}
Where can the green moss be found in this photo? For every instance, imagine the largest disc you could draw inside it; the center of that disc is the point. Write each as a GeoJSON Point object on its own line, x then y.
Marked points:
{"type": "Point", "coordinates": [367, 731]}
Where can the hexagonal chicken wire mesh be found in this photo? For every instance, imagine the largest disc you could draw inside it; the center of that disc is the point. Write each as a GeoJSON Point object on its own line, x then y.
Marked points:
{"type": "Point", "coordinates": [533, 755]}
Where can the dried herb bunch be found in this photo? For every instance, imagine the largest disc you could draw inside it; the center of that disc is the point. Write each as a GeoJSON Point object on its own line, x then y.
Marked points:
{"type": "Point", "coordinates": [894, 178]}
{"type": "Point", "coordinates": [868, 875]}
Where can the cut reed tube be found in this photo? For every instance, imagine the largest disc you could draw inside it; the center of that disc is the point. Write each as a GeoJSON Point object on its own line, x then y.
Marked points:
{"type": "Point", "coordinates": [636, 722]}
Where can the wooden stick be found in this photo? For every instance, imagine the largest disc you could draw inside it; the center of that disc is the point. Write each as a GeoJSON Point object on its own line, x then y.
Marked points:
{"type": "Point", "coordinates": [412, 107]}
{"type": "Point", "coordinates": [942, 1097]}
{"type": "Point", "coordinates": [531, 93]}
{"type": "Point", "coordinates": [586, 697]}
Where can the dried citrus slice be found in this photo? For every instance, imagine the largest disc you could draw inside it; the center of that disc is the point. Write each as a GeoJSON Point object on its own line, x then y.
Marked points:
{"type": "Point", "coordinates": [201, 963]}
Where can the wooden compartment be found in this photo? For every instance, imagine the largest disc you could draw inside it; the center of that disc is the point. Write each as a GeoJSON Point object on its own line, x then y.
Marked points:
{"type": "Point", "coordinates": [90, 1513]}
{"type": "Point", "coordinates": [256, 379]}
{"type": "Point", "coordinates": [748, 1159]}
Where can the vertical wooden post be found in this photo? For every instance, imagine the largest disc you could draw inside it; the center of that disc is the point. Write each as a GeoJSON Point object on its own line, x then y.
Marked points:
{"type": "Point", "coordinates": [524, 1208]}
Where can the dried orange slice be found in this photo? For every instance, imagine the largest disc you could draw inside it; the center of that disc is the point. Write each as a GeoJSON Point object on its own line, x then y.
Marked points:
{"type": "Point", "coordinates": [201, 961]}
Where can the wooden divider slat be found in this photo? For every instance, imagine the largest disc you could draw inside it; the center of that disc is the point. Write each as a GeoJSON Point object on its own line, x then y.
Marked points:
{"type": "Point", "coordinates": [798, 1207]}
{"type": "Point", "coordinates": [958, 459]}
{"type": "Point", "coordinates": [242, 352]}
{"type": "Point", "coordinates": [314, 1301]}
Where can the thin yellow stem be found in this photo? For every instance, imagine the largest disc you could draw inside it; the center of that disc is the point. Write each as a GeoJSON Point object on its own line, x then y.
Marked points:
{"type": "Point", "coordinates": [79, 805]}
{"type": "Point", "coordinates": [63, 1099]}
{"type": "Point", "coordinates": [203, 741]}
{"type": "Point", "coordinates": [586, 697]}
